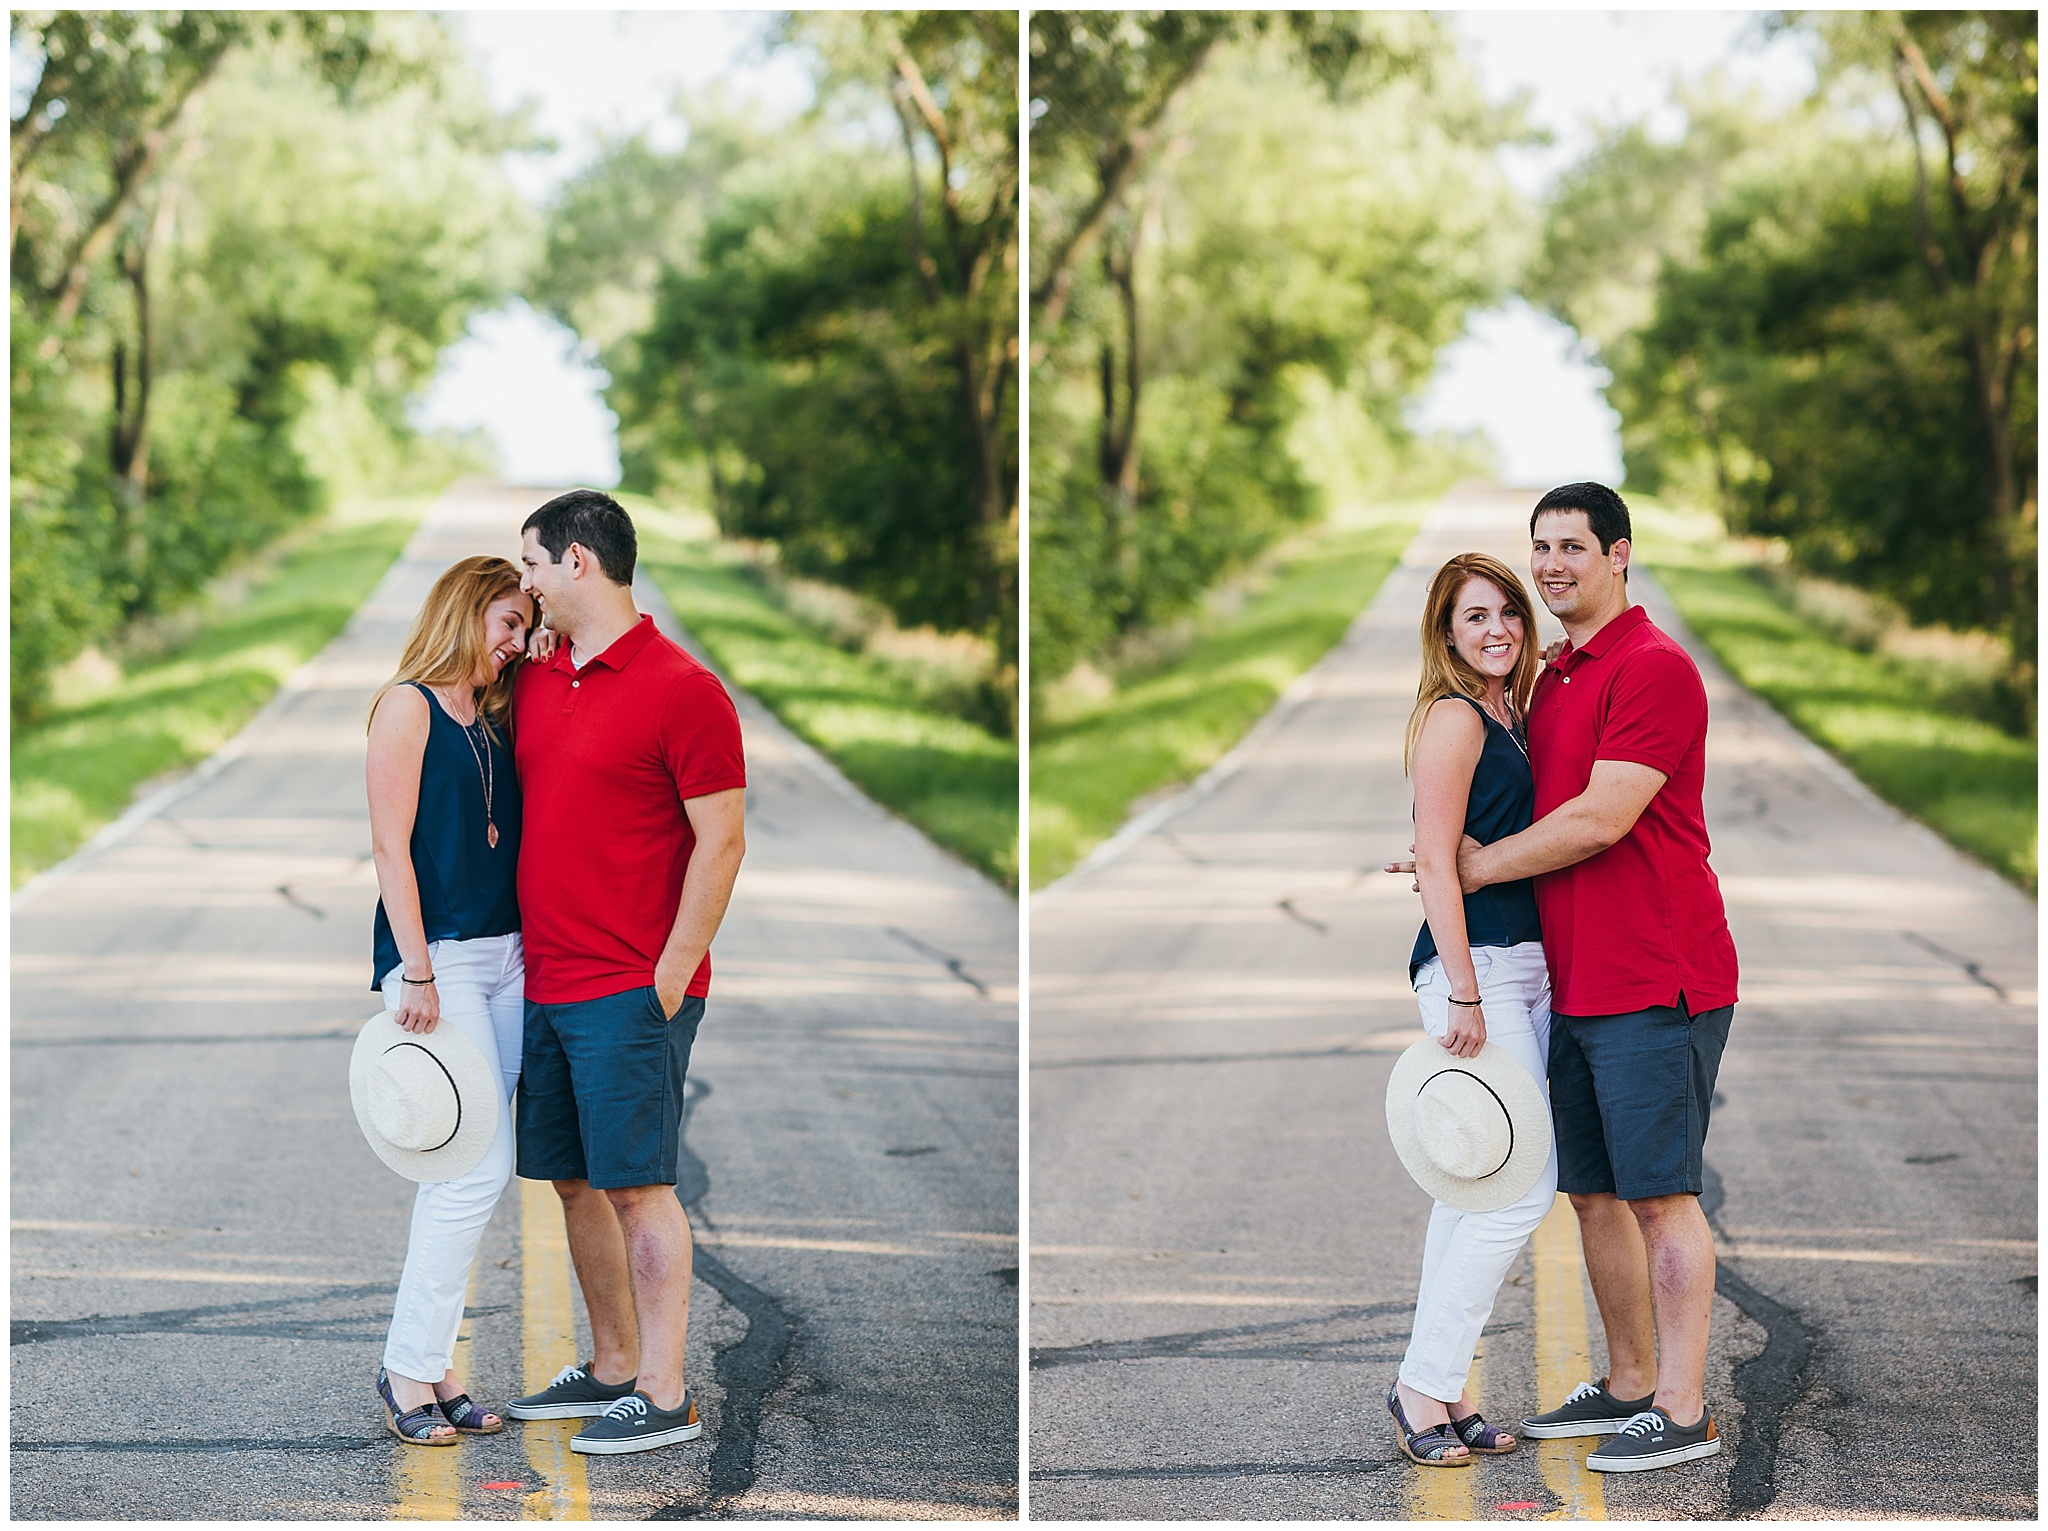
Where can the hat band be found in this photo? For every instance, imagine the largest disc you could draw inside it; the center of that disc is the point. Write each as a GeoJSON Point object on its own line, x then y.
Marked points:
{"type": "Point", "coordinates": [453, 1089]}
{"type": "Point", "coordinates": [1506, 1115]}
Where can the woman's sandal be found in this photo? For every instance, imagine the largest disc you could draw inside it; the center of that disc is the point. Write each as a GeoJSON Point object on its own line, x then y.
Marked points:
{"type": "Point", "coordinates": [415, 1427]}
{"type": "Point", "coordinates": [1425, 1448]}
{"type": "Point", "coordinates": [1478, 1435]}
{"type": "Point", "coordinates": [467, 1418]}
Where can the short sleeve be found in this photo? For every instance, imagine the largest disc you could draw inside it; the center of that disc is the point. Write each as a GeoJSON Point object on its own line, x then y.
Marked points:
{"type": "Point", "coordinates": [1656, 711]}
{"type": "Point", "coordinates": [700, 737]}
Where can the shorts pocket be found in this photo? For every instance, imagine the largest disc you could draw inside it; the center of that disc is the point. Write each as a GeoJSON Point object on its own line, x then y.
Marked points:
{"type": "Point", "coordinates": [654, 1004]}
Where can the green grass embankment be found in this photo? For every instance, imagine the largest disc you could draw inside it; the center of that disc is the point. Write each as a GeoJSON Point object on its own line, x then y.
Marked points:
{"type": "Point", "coordinates": [1160, 725]}
{"type": "Point", "coordinates": [900, 728]}
{"type": "Point", "coordinates": [1909, 712]}
{"type": "Point", "coordinates": [127, 722]}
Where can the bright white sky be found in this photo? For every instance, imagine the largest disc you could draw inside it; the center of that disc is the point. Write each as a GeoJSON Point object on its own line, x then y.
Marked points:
{"type": "Point", "coordinates": [522, 379]}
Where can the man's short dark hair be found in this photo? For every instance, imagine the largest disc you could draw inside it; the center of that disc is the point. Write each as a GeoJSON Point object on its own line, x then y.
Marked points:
{"type": "Point", "coordinates": [594, 519]}
{"type": "Point", "coordinates": [1604, 510]}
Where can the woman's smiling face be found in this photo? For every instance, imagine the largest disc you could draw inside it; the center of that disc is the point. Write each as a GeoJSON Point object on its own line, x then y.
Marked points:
{"type": "Point", "coordinates": [505, 623]}
{"type": "Point", "coordinates": [1485, 631]}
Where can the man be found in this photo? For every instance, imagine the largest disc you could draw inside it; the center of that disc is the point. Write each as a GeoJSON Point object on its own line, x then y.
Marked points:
{"type": "Point", "coordinates": [635, 788]}
{"type": "Point", "coordinates": [1643, 977]}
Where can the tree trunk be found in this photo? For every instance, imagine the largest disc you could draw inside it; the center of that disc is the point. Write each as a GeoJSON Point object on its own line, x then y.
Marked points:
{"type": "Point", "coordinates": [130, 454]}
{"type": "Point", "coordinates": [132, 171]}
{"type": "Point", "coordinates": [1117, 168]}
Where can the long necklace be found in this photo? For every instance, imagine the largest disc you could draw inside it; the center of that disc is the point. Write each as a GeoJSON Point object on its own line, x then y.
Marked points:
{"type": "Point", "coordinates": [487, 773]}
{"type": "Point", "coordinates": [1509, 726]}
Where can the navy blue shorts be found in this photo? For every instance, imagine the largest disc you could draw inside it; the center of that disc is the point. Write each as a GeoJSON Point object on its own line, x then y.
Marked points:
{"type": "Point", "coordinates": [1630, 1096]}
{"type": "Point", "coordinates": [601, 1089]}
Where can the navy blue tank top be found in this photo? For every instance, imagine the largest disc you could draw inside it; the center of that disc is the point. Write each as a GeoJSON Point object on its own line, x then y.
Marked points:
{"type": "Point", "coordinates": [1502, 803]}
{"type": "Point", "coordinates": [468, 888]}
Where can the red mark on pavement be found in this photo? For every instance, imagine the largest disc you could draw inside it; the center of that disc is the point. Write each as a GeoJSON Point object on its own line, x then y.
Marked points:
{"type": "Point", "coordinates": [1519, 1504]}
{"type": "Point", "coordinates": [521, 1485]}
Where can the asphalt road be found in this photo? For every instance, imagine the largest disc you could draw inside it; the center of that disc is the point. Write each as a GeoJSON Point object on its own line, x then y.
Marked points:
{"type": "Point", "coordinates": [1225, 1249]}
{"type": "Point", "coordinates": [205, 1250]}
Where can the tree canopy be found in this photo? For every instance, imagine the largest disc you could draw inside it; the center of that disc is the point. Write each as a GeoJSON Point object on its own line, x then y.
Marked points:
{"type": "Point", "coordinates": [1244, 225]}
{"type": "Point", "coordinates": [239, 242]}
{"type": "Point", "coordinates": [1823, 320]}
{"type": "Point", "coordinates": [816, 328]}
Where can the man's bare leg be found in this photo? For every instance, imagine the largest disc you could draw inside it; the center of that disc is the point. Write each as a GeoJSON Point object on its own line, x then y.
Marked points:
{"type": "Point", "coordinates": [1681, 1276]}
{"type": "Point", "coordinates": [597, 1248]}
{"type": "Point", "coordinates": [1618, 1265]}
{"type": "Point", "coordinates": [660, 1255]}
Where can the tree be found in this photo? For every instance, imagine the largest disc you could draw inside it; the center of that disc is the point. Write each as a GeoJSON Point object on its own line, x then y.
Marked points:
{"type": "Point", "coordinates": [1237, 221]}
{"type": "Point", "coordinates": [227, 227]}
{"type": "Point", "coordinates": [821, 323]}
{"type": "Point", "coordinates": [1809, 326]}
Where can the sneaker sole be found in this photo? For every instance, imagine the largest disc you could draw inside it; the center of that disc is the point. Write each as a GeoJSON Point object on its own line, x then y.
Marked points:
{"type": "Point", "coordinates": [647, 1442]}
{"type": "Point", "coordinates": [557, 1410]}
{"type": "Point", "coordinates": [1564, 1432]}
{"type": "Point", "coordinates": [1669, 1458]}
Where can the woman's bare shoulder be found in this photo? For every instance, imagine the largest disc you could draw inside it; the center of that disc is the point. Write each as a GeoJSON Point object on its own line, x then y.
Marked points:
{"type": "Point", "coordinates": [403, 707]}
{"type": "Point", "coordinates": [1454, 712]}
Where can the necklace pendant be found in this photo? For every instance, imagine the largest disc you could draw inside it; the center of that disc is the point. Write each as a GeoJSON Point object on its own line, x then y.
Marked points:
{"type": "Point", "coordinates": [490, 834]}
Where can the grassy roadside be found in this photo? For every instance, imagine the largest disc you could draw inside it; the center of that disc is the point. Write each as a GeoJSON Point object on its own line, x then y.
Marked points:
{"type": "Point", "coordinates": [1904, 709]}
{"type": "Point", "coordinates": [150, 715]}
{"type": "Point", "coordinates": [891, 723]}
{"type": "Point", "coordinates": [1157, 726]}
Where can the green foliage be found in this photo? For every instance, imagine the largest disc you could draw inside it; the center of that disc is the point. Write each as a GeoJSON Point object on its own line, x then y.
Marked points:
{"type": "Point", "coordinates": [233, 232]}
{"type": "Point", "coordinates": [816, 330]}
{"type": "Point", "coordinates": [878, 721]}
{"type": "Point", "coordinates": [1248, 227]}
{"type": "Point", "coordinates": [799, 332]}
{"type": "Point", "coordinates": [1823, 321]}
{"type": "Point", "coordinates": [76, 769]}
{"type": "Point", "coordinates": [1911, 727]}
{"type": "Point", "coordinates": [1094, 755]}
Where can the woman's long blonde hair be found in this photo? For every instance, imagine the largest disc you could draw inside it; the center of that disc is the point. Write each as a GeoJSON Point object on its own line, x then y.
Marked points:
{"type": "Point", "coordinates": [1444, 670]}
{"type": "Point", "coordinates": [446, 643]}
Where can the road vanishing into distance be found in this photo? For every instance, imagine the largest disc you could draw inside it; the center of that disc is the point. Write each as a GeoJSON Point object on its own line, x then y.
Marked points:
{"type": "Point", "coordinates": [1225, 1248]}
{"type": "Point", "coordinates": [205, 1250]}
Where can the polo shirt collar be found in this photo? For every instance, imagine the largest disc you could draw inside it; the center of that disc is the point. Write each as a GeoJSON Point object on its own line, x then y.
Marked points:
{"type": "Point", "coordinates": [627, 645]}
{"type": "Point", "coordinates": [1603, 640]}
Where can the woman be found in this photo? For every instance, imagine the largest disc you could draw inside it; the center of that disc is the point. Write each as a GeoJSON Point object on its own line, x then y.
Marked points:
{"type": "Point", "coordinates": [444, 829]}
{"type": "Point", "coordinates": [1477, 968]}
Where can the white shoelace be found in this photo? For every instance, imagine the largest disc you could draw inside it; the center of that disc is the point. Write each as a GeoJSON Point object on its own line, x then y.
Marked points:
{"type": "Point", "coordinates": [1649, 1422]}
{"type": "Point", "coordinates": [1584, 1390]}
{"type": "Point", "coordinates": [631, 1404]}
{"type": "Point", "coordinates": [567, 1374]}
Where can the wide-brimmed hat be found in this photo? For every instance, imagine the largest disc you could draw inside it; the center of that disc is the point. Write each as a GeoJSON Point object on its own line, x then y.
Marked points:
{"type": "Point", "coordinates": [1474, 1132]}
{"type": "Point", "coordinates": [428, 1102]}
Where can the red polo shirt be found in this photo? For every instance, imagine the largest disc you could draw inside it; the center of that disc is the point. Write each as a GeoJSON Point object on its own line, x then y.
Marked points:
{"type": "Point", "coordinates": [607, 755]}
{"type": "Point", "coordinates": [1641, 923]}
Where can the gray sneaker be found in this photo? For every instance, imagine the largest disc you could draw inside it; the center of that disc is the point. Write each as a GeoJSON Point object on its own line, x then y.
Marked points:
{"type": "Point", "coordinates": [635, 1424]}
{"type": "Point", "coordinates": [1590, 1410]}
{"type": "Point", "coordinates": [574, 1394]}
{"type": "Point", "coordinates": [1654, 1439]}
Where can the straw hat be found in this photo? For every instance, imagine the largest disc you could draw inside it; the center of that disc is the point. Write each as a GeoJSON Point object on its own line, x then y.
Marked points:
{"type": "Point", "coordinates": [1474, 1132]}
{"type": "Point", "coordinates": [427, 1102]}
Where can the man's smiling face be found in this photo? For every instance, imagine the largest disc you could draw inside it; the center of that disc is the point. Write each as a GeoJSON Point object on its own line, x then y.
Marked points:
{"type": "Point", "coordinates": [1574, 579]}
{"type": "Point", "coordinates": [540, 574]}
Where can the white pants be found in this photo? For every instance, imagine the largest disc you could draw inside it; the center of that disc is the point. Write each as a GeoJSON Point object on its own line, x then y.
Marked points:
{"type": "Point", "coordinates": [482, 984]}
{"type": "Point", "coordinates": [1467, 1254]}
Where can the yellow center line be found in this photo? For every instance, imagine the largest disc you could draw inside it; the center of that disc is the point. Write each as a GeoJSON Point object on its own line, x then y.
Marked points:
{"type": "Point", "coordinates": [548, 1341]}
{"type": "Point", "coordinates": [1445, 1493]}
{"type": "Point", "coordinates": [426, 1481]}
{"type": "Point", "coordinates": [1563, 1361]}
